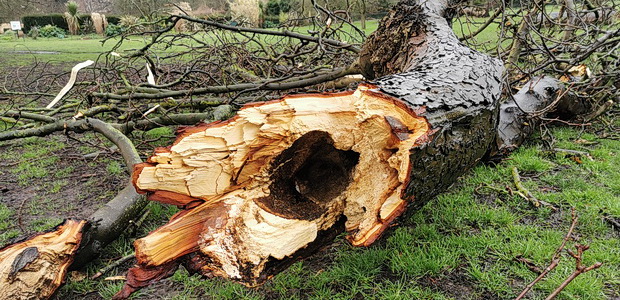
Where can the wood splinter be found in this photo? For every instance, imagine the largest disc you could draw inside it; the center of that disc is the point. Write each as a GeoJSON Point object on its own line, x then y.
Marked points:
{"type": "Point", "coordinates": [280, 173]}
{"type": "Point", "coordinates": [34, 269]}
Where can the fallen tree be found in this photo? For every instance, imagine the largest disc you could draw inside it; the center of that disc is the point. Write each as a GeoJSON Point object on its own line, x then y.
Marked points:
{"type": "Point", "coordinates": [284, 177]}
{"type": "Point", "coordinates": [298, 171]}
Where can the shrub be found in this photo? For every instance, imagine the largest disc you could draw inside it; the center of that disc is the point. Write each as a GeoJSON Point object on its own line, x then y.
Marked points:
{"type": "Point", "coordinates": [285, 5]}
{"type": "Point", "coordinates": [113, 19]}
{"type": "Point", "coordinates": [272, 8]}
{"type": "Point", "coordinates": [283, 17]}
{"type": "Point", "coordinates": [34, 32]}
{"type": "Point", "coordinates": [87, 26]}
{"type": "Point", "coordinates": [271, 21]}
{"type": "Point", "coordinates": [114, 29]}
{"type": "Point", "coordinates": [7, 35]}
{"type": "Point", "coordinates": [72, 18]}
{"type": "Point", "coordinates": [59, 21]}
{"type": "Point", "coordinates": [269, 24]}
{"type": "Point", "coordinates": [99, 22]}
{"type": "Point", "coordinates": [131, 24]}
{"type": "Point", "coordinates": [52, 31]}
{"type": "Point", "coordinates": [245, 11]}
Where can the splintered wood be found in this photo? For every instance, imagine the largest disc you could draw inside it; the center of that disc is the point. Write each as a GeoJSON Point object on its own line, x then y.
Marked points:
{"type": "Point", "coordinates": [35, 268]}
{"type": "Point", "coordinates": [265, 184]}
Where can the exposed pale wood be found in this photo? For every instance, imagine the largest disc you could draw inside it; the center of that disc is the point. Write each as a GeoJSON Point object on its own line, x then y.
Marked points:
{"type": "Point", "coordinates": [231, 166]}
{"type": "Point", "coordinates": [35, 268]}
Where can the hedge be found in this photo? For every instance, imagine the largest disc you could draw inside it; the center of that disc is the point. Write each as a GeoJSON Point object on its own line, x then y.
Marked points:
{"type": "Point", "coordinates": [57, 20]}
{"type": "Point", "coordinates": [42, 20]}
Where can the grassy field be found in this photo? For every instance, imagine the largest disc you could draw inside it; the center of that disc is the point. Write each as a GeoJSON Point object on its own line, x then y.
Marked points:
{"type": "Point", "coordinates": [23, 52]}
{"type": "Point", "coordinates": [462, 245]}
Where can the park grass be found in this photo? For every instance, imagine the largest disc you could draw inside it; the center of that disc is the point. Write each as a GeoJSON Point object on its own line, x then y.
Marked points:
{"type": "Point", "coordinates": [461, 245]}
{"type": "Point", "coordinates": [74, 49]}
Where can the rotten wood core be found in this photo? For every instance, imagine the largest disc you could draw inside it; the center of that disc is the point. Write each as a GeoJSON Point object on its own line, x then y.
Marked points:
{"type": "Point", "coordinates": [280, 173]}
{"type": "Point", "coordinates": [34, 269]}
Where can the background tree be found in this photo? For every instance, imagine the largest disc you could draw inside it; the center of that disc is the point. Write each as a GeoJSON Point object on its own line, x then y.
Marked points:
{"type": "Point", "coordinates": [71, 15]}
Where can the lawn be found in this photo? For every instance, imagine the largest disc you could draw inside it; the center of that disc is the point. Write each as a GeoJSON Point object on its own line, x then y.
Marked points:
{"type": "Point", "coordinates": [462, 245]}
{"type": "Point", "coordinates": [23, 52]}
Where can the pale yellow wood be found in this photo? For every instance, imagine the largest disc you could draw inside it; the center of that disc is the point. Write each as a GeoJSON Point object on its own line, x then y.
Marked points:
{"type": "Point", "coordinates": [232, 164]}
{"type": "Point", "coordinates": [44, 263]}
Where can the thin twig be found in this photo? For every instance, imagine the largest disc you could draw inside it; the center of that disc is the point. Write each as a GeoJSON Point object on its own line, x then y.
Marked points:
{"type": "Point", "coordinates": [613, 222]}
{"type": "Point", "coordinates": [529, 264]}
{"type": "Point", "coordinates": [579, 269]}
{"type": "Point", "coordinates": [484, 26]}
{"type": "Point", "coordinates": [555, 259]}
{"type": "Point", "coordinates": [601, 110]}
{"type": "Point", "coordinates": [19, 214]}
{"type": "Point", "coordinates": [525, 193]}
{"type": "Point", "coordinates": [117, 263]}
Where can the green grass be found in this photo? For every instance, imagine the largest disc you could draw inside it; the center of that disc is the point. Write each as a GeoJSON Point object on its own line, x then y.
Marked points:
{"type": "Point", "coordinates": [37, 155]}
{"type": "Point", "coordinates": [461, 245]}
{"type": "Point", "coordinates": [22, 52]}
{"type": "Point", "coordinates": [7, 228]}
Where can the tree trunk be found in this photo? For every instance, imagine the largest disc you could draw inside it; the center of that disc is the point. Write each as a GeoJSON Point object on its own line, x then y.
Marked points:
{"type": "Point", "coordinates": [284, 177]}
{"type": "Point", "coordinates": [363, 13]}
{"type": "Point", "coordinates": [569, 30]}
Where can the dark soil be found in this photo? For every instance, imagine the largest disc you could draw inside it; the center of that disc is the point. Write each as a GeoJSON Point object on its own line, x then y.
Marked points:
{"type": "Point", "coordinates": [88, 186]}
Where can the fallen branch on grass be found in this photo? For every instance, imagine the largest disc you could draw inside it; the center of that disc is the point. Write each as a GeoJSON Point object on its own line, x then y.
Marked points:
{"type": "Point", "coordinates": [529, 264]}
{"type": "Point", "coordinates": [525, 193]}
{"type": "Point", "coordinates": [579, 269]}
{"type": "Point", "coordinates": [555, 259]}
{"type": "Point", "coordinates": [83, 125]}
{"type": "Point", "coordinates": [612, 221]}
{"type": "Point", "coordinates": [113, 265]}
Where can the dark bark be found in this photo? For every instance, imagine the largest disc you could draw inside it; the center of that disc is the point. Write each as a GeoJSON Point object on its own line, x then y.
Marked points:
{"type": "Point", "coordinates": [455, 88]}
{"type": "Point", "coordinates": [79, 126]}
{"type": "Point", "coordinates": [111, 220]}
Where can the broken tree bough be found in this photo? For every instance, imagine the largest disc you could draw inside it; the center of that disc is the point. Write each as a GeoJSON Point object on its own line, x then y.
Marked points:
{"type": "Point", "coordinates": [261, 188]}
{"type": "Point", "coordinates": [283, 178]}
{"type": "Point", "coordinates": [33, 269]}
